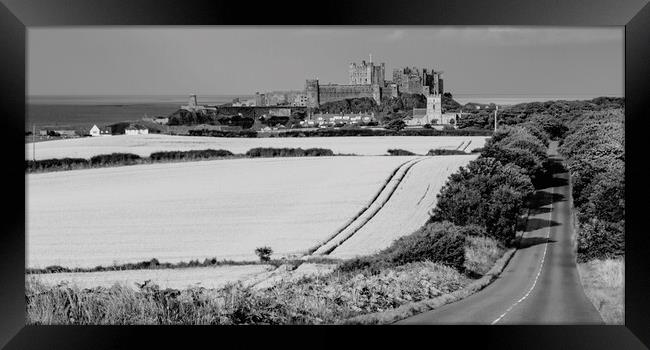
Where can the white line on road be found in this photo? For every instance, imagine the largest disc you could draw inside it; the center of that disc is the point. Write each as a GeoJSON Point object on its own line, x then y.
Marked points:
{"type": "Point", "coordinates": [539, 272]}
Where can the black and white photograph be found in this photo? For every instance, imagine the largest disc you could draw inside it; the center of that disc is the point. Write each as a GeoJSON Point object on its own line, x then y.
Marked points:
{"type": "Point", "coordinates": [324, 175]}
{"type": "Point", "coordinates": [207, 175]}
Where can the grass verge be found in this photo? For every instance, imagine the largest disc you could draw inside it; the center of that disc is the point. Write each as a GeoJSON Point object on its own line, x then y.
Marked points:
{"type": "Point", "coordinates": [603, 282]}
{"type": "Point", "coordinates": [414, 308]}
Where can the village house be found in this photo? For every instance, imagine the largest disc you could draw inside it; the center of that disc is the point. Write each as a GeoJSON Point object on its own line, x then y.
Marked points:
{"type": "Point", "coordinates": [96, 131]}
{"type": "Point", "coordinates": [135, 129]}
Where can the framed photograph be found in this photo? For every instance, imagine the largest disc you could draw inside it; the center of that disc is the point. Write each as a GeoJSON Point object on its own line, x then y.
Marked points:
{"type": "Point", "coordinates": [417, 172]}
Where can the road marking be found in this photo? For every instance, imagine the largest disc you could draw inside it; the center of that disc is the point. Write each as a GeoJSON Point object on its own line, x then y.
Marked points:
{"type": "Point", "coordinates": [539, 272]}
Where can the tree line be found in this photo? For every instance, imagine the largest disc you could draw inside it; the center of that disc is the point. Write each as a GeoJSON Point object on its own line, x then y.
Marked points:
{"type": "Point", "coordinates": [594, 149]}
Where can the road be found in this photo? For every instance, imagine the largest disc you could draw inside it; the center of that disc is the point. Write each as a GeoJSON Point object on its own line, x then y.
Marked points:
{"type": "Point", "coordinates": [540, 284]}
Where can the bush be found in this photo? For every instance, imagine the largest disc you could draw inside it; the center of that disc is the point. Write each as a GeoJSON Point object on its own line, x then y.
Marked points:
{"type": "Point", "coordinates": [444, 152]}
{"type": "Point", "coordinates": [219, 133]}
{"type": "Point", "coordinates": [199, 154]}
{"type": "Point", "coordinates": [481, 253]}
{"type": "Point", "coordinates": [473, 230]}
{"type": "Point", "coordinates": [114, 158]}
{"type": "Point", "coordinates": [436, 242]}
{"type": "Point", "coordinates": [599, 239]}
{"type": "Point", "coordinates": [264, 253]}
{"type": "Point", "coordinates": [400, 152]}
{"type": "Point", "coordinates": [56, 164]}
{"type": "Point", "coordinates": [439, 242]}
{"type": "Point", "coordinates": [288, 152]}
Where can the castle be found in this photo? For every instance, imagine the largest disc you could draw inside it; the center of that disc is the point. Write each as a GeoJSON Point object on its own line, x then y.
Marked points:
{"type": "Point", "coordinates": [369, 80]}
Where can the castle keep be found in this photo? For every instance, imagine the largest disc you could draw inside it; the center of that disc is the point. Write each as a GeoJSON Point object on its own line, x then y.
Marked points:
{"type": "Point", "coordinates": [369, 80]}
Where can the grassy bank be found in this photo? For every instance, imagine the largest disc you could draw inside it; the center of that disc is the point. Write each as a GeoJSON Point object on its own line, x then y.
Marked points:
{"type": "Point", "coordinates": [603, 282]}
{"type": "Point", "coordinates": [343, 294]}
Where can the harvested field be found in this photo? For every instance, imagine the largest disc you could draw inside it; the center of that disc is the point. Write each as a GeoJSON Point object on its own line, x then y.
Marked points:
{"type": "Point", "coordinates": [406, 210]}
{"type": "Point", "coordinates": [196, 210]}
{"type": "Point", "coordinates": [144, 145]}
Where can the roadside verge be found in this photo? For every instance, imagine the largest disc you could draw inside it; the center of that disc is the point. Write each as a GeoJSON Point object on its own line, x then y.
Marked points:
{"type": "Point", "coordinates": [411, 309]}
{"type": "Point", "coordinates": [408, 310]}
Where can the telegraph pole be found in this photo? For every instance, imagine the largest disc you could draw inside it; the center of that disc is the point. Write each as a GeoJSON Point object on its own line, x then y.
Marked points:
{"type": "Point", "coordinates": [33, 142]}
{"type": "Point", "coordinates": [495, 118]}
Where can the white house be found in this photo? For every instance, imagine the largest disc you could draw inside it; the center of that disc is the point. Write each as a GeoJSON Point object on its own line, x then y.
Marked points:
{"type": "Point", "coordinates": [94, 131]}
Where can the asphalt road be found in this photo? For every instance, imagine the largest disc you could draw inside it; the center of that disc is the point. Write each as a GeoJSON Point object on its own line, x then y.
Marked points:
{"type": "Point", "coordinates": [540, 284]}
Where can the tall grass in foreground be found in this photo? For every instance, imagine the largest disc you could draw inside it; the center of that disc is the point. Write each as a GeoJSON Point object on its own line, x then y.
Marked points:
{"type": "Point", "coordinates": [328, 299]}
{"type": "Point", "coordinates": [603, 282]}
{"type": "Point", "coordinates": [311, 300]}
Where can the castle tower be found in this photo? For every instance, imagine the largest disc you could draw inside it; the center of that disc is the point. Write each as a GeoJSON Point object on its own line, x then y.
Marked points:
{"type": "Point", "coordinates": [434, 109]}
{"type": "Point", "coordinates": [312, 93]}
{"type": "Point", "coordinates": [192, 103]}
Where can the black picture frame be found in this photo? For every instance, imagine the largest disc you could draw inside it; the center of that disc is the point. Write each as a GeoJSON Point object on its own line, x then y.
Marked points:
{"type": "Point", "coordinates": [16, 15]}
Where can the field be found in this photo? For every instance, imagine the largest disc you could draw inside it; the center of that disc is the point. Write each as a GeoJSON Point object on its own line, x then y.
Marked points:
{"type": "Point", "coordinates": [183, 211]}
{"type": "Point", "coordinates": [144, 145]}
{"type": "Point", "coordinates": [407, 209]}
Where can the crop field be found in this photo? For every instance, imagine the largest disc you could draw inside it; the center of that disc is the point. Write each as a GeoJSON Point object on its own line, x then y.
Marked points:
{"type": "Point", "coordinates": [183, 211]}
{"type": "Point", "coordinates": [144, 145]}
{"type": "Point", "coordinates": [406, 210]}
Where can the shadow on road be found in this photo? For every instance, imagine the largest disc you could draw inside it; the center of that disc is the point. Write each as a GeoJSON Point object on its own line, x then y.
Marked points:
{"type": "Point", "coordinates": [552, 182]}
{"type": "Point", "coordinates": [544, 198]}
{"type": "Point", "coordinates": [531, 241]}
{"type": "Point", "coordinates": [537, 223]}
{"type": "Point", "coordinates": [535, 211]}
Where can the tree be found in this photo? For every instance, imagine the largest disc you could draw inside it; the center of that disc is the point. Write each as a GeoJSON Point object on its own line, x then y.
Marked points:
{"type": "Point", "coordinates": [485, 193]}
{"type": "Point", "coordinates": [264, 253]}
{"type": "Point", "coordinates": [396, 124]}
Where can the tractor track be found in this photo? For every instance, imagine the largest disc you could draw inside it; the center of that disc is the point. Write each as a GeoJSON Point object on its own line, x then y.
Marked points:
{"type": "Point", "coordinates": [371, 209]}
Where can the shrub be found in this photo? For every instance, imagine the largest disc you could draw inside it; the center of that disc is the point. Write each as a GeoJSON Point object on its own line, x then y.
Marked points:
{"type": "Point", "coordinates": [599, 239]}
{"type": "Point", "coordinates": [438, 242]}
{"type": "Point", "coordinates": [56, 164]}
{"type": "Point", "coordinates": [473, 230]}
{"type": "Point", "coordinates": [400, 152]}
{"type": "Point", "coordinates": [444, 152]}
{"type": "Point", "coordinates": [288, 152]}
{"type": "Point", "coordinates": [264, 253]}
{"type": "Point", "coordinates": [114, 158]}
{"type": "Point", "coordinates": [194, 154]}
{"type": "Point", "coordinates": [481, 253]}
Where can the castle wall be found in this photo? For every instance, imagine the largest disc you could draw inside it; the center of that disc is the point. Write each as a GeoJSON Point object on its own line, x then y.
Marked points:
{"type": "Point", "coordinates": [335, 92]}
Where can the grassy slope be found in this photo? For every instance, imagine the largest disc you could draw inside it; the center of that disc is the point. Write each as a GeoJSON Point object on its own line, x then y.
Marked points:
{"type": "Point", "coordinates": [603, 281]}
{"type": "Point", "coordinates": [311, 300]}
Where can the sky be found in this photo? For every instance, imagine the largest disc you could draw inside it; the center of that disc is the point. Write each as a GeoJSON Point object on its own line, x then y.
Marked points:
{"type": "Point", "coordinates": [477, 60]}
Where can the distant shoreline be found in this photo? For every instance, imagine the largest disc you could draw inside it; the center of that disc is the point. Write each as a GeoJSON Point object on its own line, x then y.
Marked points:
{"type": "Point", "coordinates": [119, 100]}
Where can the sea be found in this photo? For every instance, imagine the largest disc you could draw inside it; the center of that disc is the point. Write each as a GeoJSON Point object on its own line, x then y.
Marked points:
{"type": "Point", "coordinates": [74, 112]}
{"type": "Point", "coordinates": [84, 111]}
